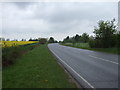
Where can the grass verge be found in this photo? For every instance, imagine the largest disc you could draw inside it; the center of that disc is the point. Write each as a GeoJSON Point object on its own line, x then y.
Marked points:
{"type": "Point", "coordinates": [36, 69]}
{"type": "Point", "coordinates": [1, 79]}
{"type": "Point", "coordinates": [9, 54]}
{"type": "Point", "coordinates": [86, 46]}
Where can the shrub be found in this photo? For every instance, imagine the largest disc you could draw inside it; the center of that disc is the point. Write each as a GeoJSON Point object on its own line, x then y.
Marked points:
{"type": "Point", "coordinates": [92, 43]}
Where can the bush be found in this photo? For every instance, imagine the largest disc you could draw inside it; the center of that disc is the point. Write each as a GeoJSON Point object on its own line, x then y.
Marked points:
{"type": "Point", "coordinates": [42, 40]}
{"type": "Point", "coordinates": [92, 43]}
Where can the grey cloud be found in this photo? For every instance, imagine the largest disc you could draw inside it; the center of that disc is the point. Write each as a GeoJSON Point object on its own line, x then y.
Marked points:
{"type": "Point", "coordinates": [75, 11]}
{"type": "Point", "coordinates": [48, 19]}
{"type": "Point", "coordinates": [22, 5]}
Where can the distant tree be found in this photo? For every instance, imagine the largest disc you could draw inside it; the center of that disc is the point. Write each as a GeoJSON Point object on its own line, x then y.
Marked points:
{"type": "Point", "coordinates": [91, 37]}
{"type": "Point", "coordinates": [15, 40]}
{"type": "Point", "coordinates": [23, 40]}
{"type": "Point", "coordinates": [7, 39]}
{"type": "Point", "coordinates": [84, 38]}
{"type": "Point", "coordinates": [67, 40]}
{"type": "Point", "coordinates": [55, 41]}
{"type": "Point", "coordinates": [73, 40]}
{"type": "Point", "coordinates": [42, 40]}
{"type": "Point", "coordinates": [51, 40]}
{"type": "Point", "coordinates": [91, 41]}
{"type": "Point", "coordinates": [77, 38]}
{"type": "Point", "coordinates": [2, 39]}
{"type": "Point", "coordinates": [60, 41]}
{"type": "Point", "coordinates": [30, 39]}
{"type": "Point", "coordinates": [34, 39]}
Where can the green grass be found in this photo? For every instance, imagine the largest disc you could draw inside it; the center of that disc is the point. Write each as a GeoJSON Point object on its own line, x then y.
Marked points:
{"type": "Point", "coordinates": [77, 45]}
{"type": "Point", "coordinates": [9, 54]}
{"type": "Point", "coordinates": [86, 46]}
{"type": "Point", "coordinates": [106, 50]}
{"type": "Point", "coordinates": [36, 69]}
{"type": "Point", "coordinates": [0, 79]}
{"type": "Point", "coordinates": [82, 45]}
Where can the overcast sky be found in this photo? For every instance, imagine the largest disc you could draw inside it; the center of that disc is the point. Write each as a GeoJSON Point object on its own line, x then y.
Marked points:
{"type": "Point", "coordinates": [56, 19]}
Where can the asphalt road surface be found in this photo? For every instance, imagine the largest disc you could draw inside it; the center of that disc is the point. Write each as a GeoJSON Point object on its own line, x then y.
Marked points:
{"type": "Point", "coordinates": [90, 68]}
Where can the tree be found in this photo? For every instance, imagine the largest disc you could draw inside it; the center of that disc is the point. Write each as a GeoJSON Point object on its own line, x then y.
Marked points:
{"type": "Point", "coordinates": [67, 39]}
{"type": "Point", "coordinates": [77, 38]}
{"type": "Point", "coordinates": [33, 39]}
{"type": "Point", "coordinates": [73, 40]}
{"type": "Point", "coordinates": [84, 38]}
{"type": "Point", "coordinates": [42, 40]}
{"type": "Point", "coordinates": [51, 40]}
{"type": "Point", "coordinates": [7, 39]}
{"type": "Point", "coordinates": [30, 39]}
{"type": "Point", "coordinates": [2, 39]}
{"type": "Point", "coordinates": [23, 40]}
{"type": "Point", "coordinates": [14, 40]}
{"type": "Point", "coordinates": [104, 33]}
{"type": "Point", "coordinates": [55, 41]}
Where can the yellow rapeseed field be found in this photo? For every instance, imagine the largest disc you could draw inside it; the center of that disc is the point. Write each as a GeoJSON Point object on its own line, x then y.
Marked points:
{"type": "Point", "coordinates": [14, 43]}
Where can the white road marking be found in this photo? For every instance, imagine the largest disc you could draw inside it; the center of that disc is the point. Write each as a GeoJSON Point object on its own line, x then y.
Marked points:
{"type": "Point", "coordinates": [104, 59]}
{"type": "Point", "coordinates": [73, 70]}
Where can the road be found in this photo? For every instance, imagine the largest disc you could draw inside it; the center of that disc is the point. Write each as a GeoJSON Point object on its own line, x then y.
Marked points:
{"type": "Point", "coordinates": [90, 68]}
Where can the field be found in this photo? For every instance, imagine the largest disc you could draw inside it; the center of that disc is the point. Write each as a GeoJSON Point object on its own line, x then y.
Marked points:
{"type": "Point", "coordinates": [36, 69]}
{"type": "Point", "coordinates": [14, 43]}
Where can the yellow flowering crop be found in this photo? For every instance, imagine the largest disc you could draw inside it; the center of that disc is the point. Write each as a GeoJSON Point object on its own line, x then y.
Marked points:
{"type": "Point", "coordinates": [14, 43]}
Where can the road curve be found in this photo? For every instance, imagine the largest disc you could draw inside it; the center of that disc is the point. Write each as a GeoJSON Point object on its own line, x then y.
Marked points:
{"type": "Point", "coordinates": [90, 68]}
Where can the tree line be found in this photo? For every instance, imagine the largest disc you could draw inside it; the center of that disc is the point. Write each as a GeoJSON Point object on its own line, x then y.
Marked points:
{"type": "Point", "coordinates": [45, 40]}
{"type": "Point", "coordinates": [106, 36]}
{"type": "Point", "coordinates": [40, 40]}
{"type": "Point", "coordinates": [84, 38]}
{"type": "Point", "coordinates": [50, 40]}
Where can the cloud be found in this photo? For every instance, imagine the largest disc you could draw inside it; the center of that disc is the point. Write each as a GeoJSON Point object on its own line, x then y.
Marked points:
{"type": "Point", "coordinates": [22, 5]}
{"type": "Point", "coordinates": [45, 19]}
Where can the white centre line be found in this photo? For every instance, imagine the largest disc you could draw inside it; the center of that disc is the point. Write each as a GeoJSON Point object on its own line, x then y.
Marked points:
{"type": "Point", "coordinates": [73, 70]}
{"type": "Point", "coordinates": [104, 59]}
